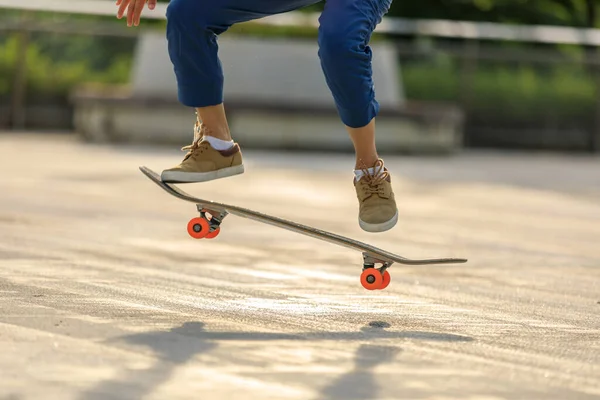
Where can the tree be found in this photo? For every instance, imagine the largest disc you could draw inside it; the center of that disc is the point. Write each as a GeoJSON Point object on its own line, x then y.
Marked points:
{"type": "Point", "coordinates": [581, 13]}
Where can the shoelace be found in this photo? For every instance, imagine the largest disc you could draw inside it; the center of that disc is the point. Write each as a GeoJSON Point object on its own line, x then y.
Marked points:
{"type": "Point", "coordinates": [191, 148]}
{"type": "Point", "coordinates": [374, 182]}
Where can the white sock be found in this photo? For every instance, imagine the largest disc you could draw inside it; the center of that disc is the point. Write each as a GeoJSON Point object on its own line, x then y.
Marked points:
{"type": "Point", "coordinates": [358, 173]}
{"type": "Point", "coordinates": [219, 144]}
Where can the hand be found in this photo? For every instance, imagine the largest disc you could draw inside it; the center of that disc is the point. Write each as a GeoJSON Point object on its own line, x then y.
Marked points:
{"type": "Point", "coordinates": [134, 10]}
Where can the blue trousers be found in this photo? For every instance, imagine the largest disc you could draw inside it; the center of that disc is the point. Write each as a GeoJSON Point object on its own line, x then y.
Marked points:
{"type": "Point", "coordinates": [344, 33]}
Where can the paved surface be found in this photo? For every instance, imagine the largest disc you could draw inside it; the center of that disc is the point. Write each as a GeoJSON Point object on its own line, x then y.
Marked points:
{"type": "Point", "coordinates": [103, 295]}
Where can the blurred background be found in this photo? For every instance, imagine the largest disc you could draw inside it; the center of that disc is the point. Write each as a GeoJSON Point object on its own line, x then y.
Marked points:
{"type": "Point", "coordinates": [456, 74]}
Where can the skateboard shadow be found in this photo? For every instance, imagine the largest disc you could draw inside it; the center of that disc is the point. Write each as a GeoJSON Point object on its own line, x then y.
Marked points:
{"type": "Point", "coordinates": [374, 330]}
{"type": "Point", "coordinates": [179, 345]}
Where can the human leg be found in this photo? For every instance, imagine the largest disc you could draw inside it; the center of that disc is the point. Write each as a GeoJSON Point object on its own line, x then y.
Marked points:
{"type": "Point", "coordinates": [193, 27]}
{"type": "Point", "coordinates": [365, 149]}
{"type": "Point", "coordinates": [345, 30]}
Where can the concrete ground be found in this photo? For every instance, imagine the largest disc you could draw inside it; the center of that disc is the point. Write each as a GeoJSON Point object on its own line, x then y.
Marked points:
{"type": "Point", "coordinates": [104, 296]}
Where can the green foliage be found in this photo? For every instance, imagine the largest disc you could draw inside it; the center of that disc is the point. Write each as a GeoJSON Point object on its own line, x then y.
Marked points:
{"type": "Point", "coordinates": [582, 13]}
{"type": "Point", "coordinates": [49, 75]}
{"type": "Point", "coordinates": [518, 93]}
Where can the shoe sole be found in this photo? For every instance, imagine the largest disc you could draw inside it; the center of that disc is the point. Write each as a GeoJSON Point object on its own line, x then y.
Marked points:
{"type": "Point", "coordinates": [195, 177]}
{"type": "Point", "coordinates": [382, 227]}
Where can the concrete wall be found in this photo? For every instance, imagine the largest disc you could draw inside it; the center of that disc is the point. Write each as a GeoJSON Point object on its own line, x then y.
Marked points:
{"type": "Point", "coordinates": [276, 97]}
{"type": "Point", "coordinates": [273, 70]}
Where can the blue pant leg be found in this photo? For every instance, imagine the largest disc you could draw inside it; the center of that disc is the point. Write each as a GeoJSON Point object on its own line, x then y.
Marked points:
{"type": "Point", "coordinates": [192, 30]}
{"type": "Point", "coordinates": [345, 30]}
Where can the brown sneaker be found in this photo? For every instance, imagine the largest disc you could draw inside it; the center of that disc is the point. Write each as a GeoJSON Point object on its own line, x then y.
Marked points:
{"type": "Point", "coordinates": [203, 163]}
{"type": "Point", "coordinates": [377, 205]}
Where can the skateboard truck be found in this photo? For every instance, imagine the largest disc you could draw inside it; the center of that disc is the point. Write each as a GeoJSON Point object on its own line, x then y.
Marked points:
{"type": "Point", "coordinates": [373, 278]}
{"type": "Point", "coordinates": [203, 227]}
{"type": "Point", "coordinates": [216, 218]}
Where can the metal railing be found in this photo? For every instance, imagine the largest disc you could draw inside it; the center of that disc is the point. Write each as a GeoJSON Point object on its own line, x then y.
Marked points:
{"type": "Point", "coordinates": [397, 26]}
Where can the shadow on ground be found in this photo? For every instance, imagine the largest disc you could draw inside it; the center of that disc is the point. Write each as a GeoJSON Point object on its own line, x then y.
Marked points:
{"type": "Point", "coordinates": [360, 382]}
{"type": "Point", "coordinates": [177, 346]}
{"type": "Point", "coordinates": [11, 396]}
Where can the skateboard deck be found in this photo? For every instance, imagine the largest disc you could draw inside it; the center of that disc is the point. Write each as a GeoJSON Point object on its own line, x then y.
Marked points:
{"type": "Point", "coordinates": [205, 227]}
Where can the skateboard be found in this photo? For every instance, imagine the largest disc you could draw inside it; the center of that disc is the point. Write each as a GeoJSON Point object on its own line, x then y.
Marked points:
{"type": "Point", "coordinates": [212, 214]}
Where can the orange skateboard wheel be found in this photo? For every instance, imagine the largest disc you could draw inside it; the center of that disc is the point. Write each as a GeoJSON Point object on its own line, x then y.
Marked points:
{"type": "Point", "coordinates": [213, 234]}
{"type": "Point", "coordinates": [198, 227]}
{"type": "Point", "coordinates": [371, 279]}
{"type": "Point", "coordinates": [386, 280]}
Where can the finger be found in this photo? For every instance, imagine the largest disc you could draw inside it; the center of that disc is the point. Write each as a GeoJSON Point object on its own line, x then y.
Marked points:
{"type": "Point", "coordinates": [151, 4]}
{"type": "Point", "coordinates": [137, 14]}
{"type": "Point", "coordinates": [118, 3]}
{"type": "Point", "coordinates": [122, 6]}
{"type": "Point", "coordinates": [130, 11]}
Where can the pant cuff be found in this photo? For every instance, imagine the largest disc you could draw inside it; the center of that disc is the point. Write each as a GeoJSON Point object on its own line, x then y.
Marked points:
{"type": "Point", "coordinates": [197, 97]}
{"type": "Point", "coordinates": [354, 118]}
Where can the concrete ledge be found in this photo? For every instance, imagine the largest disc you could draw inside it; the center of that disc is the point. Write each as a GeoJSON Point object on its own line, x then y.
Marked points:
{"type": "Point", "coordinates": [117, 116]}
{"type": "Point", "coordinates": [46, 116]}
{"type": "Point", "coordinates": [276, 97]}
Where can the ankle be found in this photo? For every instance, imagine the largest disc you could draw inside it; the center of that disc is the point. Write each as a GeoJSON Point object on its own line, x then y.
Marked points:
{"type": "Point", "coordinates": [218, 132]}
{"type": "Point", "coordinates": [366, 162]}
{"type": "Point", "coordinates": [214, 121]}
